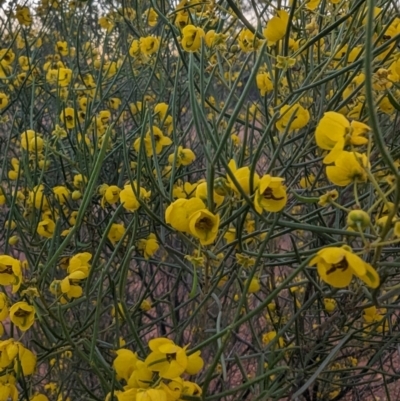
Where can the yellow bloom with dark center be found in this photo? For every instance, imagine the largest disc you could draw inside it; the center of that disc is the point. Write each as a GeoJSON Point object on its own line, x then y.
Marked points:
{"type": "Point", "coordinates": [149, 45]}
{"type": "Point", "coordinates": [67, 116]}
{"type": "Point", "coordinates": [349, 167]}
{"type": "Point", "coordinates": [325, 199]}
{"type": "Point", "coordinates": [106, 22]}
{"type": "Point", "coordinates": [295, 115]}
{"type": "Point", "coordinates": [243, 178]}
{"type": "Point", "coordinates": [7, 57]}
{"type": "Point", "coordinates": [270, 195]}
{"type": "Point", "coordinates": [177, 213]}
{"type": "Point", "coordinates": [23, 15]}
{"type": "Point", "coordinates": [110, 194]}
{"type": "Point", "coordinates": [22, 315]}
{"type": "Point", "coordinates": [191, 38]}
{"type": "Point", "coordinates": [114, 103]}
{"type": "Point", "coordinates": [248, 42]}
{"type": "Point", "coordinates": [166, 358]}
{"type": "Point", "coordinates": [184, 157]}
{"type": "Point", "coordinates": [159, 139]}
{"type": "Point", "coordinates": [141, 377]}
{"type": "Point", "coordinates": [151, 16]}
{"type": "Point", "coordinates": [62, 48]}
{"type": "Point", "coordinates": [276, 27]}
{"type": "Point", "coordinates": [204, 225]}
{"type": "Point", "coordinates": [181, 19]}
{"type": "Point", "coordinates": [46, 228]}
{"type": "Point", "coordinates": [336, 266]}
{"type": "Point", "coordinates": [116, 232]}
{"type": "Point", "coordinates": [59, 76]}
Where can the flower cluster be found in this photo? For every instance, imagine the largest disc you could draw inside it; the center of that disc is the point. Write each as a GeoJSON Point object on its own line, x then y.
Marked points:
{"type": "Point", "coordinates": [158, 376]}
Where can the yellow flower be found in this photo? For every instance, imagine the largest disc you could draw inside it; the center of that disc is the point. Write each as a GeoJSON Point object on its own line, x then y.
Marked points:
{"type": "Point", "coordinates": [116, 232]}
{"type": "Point", "coordinates": [334, 130]}
{"type": "Point", "coordinates": [149, 246]}
{"type": "Point", "coordinates": [248, 42]}
{"type": "Point", "coordinates": [79, 181]}
{"type": "Point", "coordinates": [4, 310]}
{"type": "Point", "coordinates": [67, 116]}
{"type": "Point", "coordinates": [195, 363]}
{"type": "Point", "coordinates": [276, 27]}
{"type": "Point", "coordinates": [298, 115]}
{"type": "Point", "coordinates": [349, 167]}
{"type": "Point", "coordinates": [270, 194]}
{"type": "Point", "coordinates": [62, 194]}
{"type": "Point", "coordinates": [111, 194]}
{"type": "Point", "coordinates": [325, 200]}
{"type": "Point", "coordinates": [60, 76]}
{"type": "Point", "coordinates": [31, 141]}
{"type": "Point", "coordinates": [151, 16]}
{"type": "Point", "coordinates": [125, 363]}
{"type": "Point", "coordinates": [3, 100]}
{"type": "Point", "coordinates": [46, 228]}
{"type": "Point", "coordinates": [184, 157]}
{"type": "Point", "coordinates": [146, 305]}
{"type": "Point", "coordinates": [10, 272]}
{"type": "Point", "coordinates": [329, 304]}
{"type": "Point", "coordinates": [373, 315]}
{"type": "Point", "coordinates": [201, 192]}
{"type": "Point", "coordinates": [242, 176]}
{"type": "Point", "coordinates": [181, 19]}
{"type": "Point", "coordinates": [78, 266]}
{"type": "Point", "coordinates": [128, 199]}
{"type": "Point", "coordinates": [22, 315]}
{"type": "Point", "coordinates": [268, 337]}
{"type": "Point", "coordinates": [23, 15]}
{"type": "Point", "coordinates": [62, 48]}
{"type": "Point", "coordinates": [264, 83]}
{"type": "Point", "coordinates": [159, 141]}
{"type": "Point", "coordinates": [149, 45]}
{"type": "Point", "coordinates": [312, 4]}
{"type": "Point", "coordinates": [166, 358]}
{"type": "Point", "coordinates": [254, 286]}
{"type": "Point", "coordinates": [177, 213]}
{"type": "Point", "coordinates": [336, 267]}
{"type": "Point", "coordinates": [204, 225]}
{"type": "Point", "coordinates": [191, 38]}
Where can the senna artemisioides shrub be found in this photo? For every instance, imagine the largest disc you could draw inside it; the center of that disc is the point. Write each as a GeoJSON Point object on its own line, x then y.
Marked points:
{"type": "Point", "coordinates": [199, 200]}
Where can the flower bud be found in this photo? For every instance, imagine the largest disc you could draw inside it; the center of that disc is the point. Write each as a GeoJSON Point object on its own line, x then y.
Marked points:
{"type": "Point", "coordinates": [358, 219]}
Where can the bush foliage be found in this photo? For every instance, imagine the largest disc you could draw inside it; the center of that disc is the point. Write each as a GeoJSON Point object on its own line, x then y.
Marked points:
{"type": "Point", "coordinates": [199, 200]}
